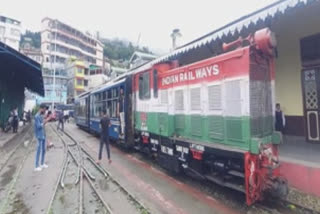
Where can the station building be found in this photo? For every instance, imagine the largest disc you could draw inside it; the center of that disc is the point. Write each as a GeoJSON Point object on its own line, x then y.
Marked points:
{"type": "Point", "coordinates": [17, 73]}
{"type": "Point", "coordinates": [296, 24]}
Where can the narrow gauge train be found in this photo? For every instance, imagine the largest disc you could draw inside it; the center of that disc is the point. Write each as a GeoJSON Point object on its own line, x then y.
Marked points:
{"type": "Point", "coordinates": [212, 119]}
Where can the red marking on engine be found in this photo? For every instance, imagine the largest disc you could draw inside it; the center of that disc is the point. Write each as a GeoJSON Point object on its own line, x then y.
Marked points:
{"type": "Point", "coordinates": [197, 154]}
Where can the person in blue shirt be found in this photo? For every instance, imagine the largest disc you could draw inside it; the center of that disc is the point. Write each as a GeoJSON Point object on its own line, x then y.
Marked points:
{"type": "Point", "coordinates": [41, 137]}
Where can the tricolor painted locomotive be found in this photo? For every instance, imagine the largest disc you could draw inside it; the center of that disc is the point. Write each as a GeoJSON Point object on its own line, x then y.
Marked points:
{"type": "Point", "coordinates": [212, 119]}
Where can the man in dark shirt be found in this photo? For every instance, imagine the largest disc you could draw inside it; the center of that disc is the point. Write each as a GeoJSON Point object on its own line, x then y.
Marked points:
{"type": "Point", "coordinates": [280, 119]}
{"type": "Point", "coordinates": [60, 121]}
{"type": "Point", "coordinates": [104, 136]}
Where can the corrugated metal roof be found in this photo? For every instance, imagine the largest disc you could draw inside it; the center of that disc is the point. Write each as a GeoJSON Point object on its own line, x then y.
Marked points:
{"type": "Point", "coordinates": [279, 7]}
{"type": "Point", "coordinates": [22, 68]}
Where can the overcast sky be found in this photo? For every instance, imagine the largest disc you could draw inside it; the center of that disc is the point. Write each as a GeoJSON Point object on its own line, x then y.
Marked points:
{"type": "Point", "coordinates": [154, 19]}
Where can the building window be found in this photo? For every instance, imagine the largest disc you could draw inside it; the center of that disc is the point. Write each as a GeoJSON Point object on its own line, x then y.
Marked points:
{"type": "Point", "coordinates": [79, 82]}
{"type": "Point", "coordinates": [85, 82]}
{"type": "Point", "coordinates": [310, 50]}
{"type": "Point", "coordinates": [79, 70]}
{"type": "Point", "coordinates": [2, 30]}
{"type": "Point", "coordinates": [15, 32]}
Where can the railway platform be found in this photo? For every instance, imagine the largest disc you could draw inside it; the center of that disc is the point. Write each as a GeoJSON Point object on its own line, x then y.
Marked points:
{"type": "Point", "coordinates": [24, 191]}
{"type": "Point", "coordinates": [6, 137]}
{"type": "Point", "coordinates": [300, 164]}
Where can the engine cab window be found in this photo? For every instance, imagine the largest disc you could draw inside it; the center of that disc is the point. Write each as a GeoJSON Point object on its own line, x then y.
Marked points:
{"type": "Point", "coordinates": [144, 86]}
{"type": "Point", "coordinates": [155, 83]}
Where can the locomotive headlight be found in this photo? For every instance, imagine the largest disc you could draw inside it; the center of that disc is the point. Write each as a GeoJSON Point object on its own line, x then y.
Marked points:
{"type": "Point", "coordinates": [179, 148]}
{"type": "Point", "coordinates": [153, 141]}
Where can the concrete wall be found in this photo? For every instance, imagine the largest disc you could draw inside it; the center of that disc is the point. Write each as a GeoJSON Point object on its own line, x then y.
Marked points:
{"type": "Point", "coordinates": [289, 30]}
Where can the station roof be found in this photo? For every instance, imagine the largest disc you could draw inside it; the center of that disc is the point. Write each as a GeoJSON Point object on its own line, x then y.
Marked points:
{"type": "Point", "coordinates": [16, 67]}
{"type": "Point", "coordinates": [261, 17]}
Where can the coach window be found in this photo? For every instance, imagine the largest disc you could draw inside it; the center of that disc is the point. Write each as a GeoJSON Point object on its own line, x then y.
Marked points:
{"type": "Point", "coordinates": [104, 101]}
{"type": "Point", "coordinates": [98, 105]}
{"type": "Point", "coordinates": [155, 83]}
{"type": "Point", "coordinates": [144, 86]}
{"type": "Point", "coordinates": [104, 97]}
{"type": "Point", "coordinates": [109, 98]}
{"type": "Point", "coordinates": [92, 101]}
{"type": "Point", "coordinates": [114, 102]}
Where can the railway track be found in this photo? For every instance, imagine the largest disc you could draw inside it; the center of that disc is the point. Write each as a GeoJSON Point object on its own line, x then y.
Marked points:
{"type": "Point", "coordinates": [9, 156]}
{"type": "Point", "coordinates": [13, 162]}
{"type": "Point", "coordinates": [85, 187]}
{"type": "Point", "coordinates": [285, 206]}
{"type": "Point", "coordinates": [270, 206]}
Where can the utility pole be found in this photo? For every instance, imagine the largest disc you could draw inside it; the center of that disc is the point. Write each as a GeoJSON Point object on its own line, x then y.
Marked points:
{"type": "Point", "coordinates": [55, 64]}
{"type": "Point", "coordinates": [138, 41]}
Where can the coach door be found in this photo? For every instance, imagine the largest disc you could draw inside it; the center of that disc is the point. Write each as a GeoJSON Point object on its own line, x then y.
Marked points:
{"type": "Point", "coordinates": [87, 111]}
{"type": "Point", "coordinates": [311, 86]}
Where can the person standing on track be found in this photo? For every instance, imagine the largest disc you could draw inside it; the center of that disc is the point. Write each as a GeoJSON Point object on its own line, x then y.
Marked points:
{"type": "Point", "coordinates": [40, 135]}
{"type": "Point", "coordinates": [60, 120]}
{"type": "Point", "coordinates": [104, 135]}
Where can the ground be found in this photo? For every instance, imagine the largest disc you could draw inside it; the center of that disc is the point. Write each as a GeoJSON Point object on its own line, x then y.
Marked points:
{"type": "Point", "coordinates": [24, 191]}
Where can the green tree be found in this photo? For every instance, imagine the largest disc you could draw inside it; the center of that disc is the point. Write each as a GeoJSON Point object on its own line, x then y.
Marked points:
{"type": "Point", "coordinates": [35, 38]}
{"type": "Point", "coordinates": [120, 50]}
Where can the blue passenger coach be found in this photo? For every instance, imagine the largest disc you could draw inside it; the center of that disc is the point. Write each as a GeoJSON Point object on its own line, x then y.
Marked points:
{"type": "Point", "coordinates": [82, 109]}
{"type": "Point", "coordinates": [89, 108]}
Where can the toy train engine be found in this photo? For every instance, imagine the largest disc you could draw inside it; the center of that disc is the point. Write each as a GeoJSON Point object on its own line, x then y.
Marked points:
{"type": "Point", "coordinates": [214, 118]}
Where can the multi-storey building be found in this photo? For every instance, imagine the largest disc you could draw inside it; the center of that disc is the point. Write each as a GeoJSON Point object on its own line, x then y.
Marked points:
{"type": "Point", "coordinates": [61, 43]}
{"type": "Point", "coordinates": [96, 76]}
{"type": "Point", "coordinates": [76, 71]}
{"type": "Point", "coordinates": [56, 92]}
{"type": "Point", "coordinates": [10, 32]}
{"type": "Point", "coordinates": [34, 53]}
